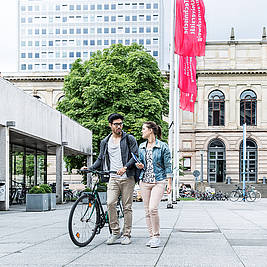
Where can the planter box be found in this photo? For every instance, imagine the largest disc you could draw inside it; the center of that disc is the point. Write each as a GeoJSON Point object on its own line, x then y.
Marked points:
{"type": "Point", "coordinates": [103, 197]}
{"type": "Point", "coordinates": [52, 201]}
{"type": "Point", "coordinates": [36, 202]}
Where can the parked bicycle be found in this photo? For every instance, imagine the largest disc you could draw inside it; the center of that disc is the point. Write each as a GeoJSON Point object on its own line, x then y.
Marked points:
{"type": "Point", "coordinates": [218, 196]}
{"type": "Point", "coordinates": [53, 187]}
{"type": "Point", "coordinates": [257, 192]}
{"type": "Point", "coordinates": [67, 193]}
{"type": "Point", "coordinates": [88, 216]}
{"type": "Point", "coordinates": [18, 193]}
{"type": "Point", "coordinates": [237, 194]}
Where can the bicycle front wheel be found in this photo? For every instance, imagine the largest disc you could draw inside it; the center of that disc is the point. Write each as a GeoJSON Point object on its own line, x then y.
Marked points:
{"type": "Point", "coordinates": [251, 196]}
{"type": "Point", "coordinates": [258, 194]}
{"type": "Point", "coordinates": [234, 196]}
{"type": "Point", "coordinates": [84, 220]}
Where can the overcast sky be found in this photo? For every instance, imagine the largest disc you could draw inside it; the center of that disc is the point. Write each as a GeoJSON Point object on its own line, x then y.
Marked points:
{"type": "Point", "coordinates": [247, 17]}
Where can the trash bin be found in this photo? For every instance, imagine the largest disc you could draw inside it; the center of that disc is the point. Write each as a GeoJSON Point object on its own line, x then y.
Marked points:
{"type": "Point", "coordinates": [228, 180]}
{"type": "Point", "coordinates": [2, 191]}
{"type": "Point", "coordinates": [264, 180]}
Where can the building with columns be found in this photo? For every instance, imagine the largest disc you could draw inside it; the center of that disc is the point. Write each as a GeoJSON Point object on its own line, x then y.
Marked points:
{"type": "Point", "coordinates": [232, 89]}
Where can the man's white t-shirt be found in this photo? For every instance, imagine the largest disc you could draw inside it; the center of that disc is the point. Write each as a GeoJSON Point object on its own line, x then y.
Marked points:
{"type": "Point", "coordinates": [114, 152]}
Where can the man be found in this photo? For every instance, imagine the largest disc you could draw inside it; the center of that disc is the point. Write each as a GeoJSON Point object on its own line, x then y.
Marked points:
{"type": "Point", "coordinates": [115, 155]}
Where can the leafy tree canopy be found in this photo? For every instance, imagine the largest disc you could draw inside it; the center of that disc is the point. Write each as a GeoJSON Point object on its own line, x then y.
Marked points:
{"type": "Point", "coordinates": [121, 79]}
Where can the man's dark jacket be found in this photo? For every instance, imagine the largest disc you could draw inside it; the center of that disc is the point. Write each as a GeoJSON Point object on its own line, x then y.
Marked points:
{"type": "Point", "coordinates": [103, 162]}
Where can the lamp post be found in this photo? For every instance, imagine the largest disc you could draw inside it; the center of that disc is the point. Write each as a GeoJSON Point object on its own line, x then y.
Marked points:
{"type": "Point", "coordinates": [201, 173]}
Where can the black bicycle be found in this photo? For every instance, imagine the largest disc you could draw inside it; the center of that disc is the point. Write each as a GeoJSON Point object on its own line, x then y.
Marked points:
{"type": "Point", "coordinates": [18, 193]}
{"type": "Point", "coordinates": [88, 216]}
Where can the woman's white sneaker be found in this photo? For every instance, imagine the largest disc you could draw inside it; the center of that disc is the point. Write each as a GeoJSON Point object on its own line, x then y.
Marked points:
{"type": "Point", "coordinates": [155, 242]}
{"type": "Point", "coordinates": [148, 242]}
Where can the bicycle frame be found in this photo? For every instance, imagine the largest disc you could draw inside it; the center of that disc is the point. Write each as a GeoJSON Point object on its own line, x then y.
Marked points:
{"type": "Point", "coordinates": [103, 219]}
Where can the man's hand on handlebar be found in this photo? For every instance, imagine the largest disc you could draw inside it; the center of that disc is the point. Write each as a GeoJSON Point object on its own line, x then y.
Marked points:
{"type": "Point", "coordinates": [84, 168]}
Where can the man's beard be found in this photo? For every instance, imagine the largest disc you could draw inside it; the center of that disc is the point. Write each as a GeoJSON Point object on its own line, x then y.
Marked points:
{"type": "Point", "coordinates": [118, 132]}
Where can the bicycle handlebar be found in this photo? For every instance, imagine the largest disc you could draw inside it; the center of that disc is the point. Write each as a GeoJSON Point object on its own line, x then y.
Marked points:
{"type": "Point", "coordinates": [97, 172]}
{"type": "Point", "coordinates": [18, 182]}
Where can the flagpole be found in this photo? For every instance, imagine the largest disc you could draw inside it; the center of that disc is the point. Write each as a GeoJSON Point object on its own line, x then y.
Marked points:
{"type": "Point", "coordinates": [177, 125]}
{"type": "Point", "coordinates": [171, 93]}
{"type": "Point", "coordinates": [244, 160]}
{"type": "Point", "coordinates": [176, 129]}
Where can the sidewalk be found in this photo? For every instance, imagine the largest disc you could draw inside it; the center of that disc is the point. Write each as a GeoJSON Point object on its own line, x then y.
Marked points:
{"type": "Point", "coordinates": [194, 233]}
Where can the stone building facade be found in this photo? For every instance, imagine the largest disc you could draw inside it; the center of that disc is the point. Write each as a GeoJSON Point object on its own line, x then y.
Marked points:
{"type": "Point", "coordinates": [232, 85]}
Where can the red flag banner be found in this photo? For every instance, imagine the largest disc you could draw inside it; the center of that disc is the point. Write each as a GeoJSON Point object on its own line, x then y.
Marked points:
{"type": "Point", "coordinates": [190, 28]}
{"type": "Point", "coordinates": [187, 82]}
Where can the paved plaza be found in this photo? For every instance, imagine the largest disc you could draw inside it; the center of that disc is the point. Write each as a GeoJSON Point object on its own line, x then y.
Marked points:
{"type": "Point", "coordinates": [194, 233]}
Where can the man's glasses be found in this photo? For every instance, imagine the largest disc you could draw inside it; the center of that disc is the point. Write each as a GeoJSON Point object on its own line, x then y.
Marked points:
{"type": "Point", "coordinates": [118, 124]}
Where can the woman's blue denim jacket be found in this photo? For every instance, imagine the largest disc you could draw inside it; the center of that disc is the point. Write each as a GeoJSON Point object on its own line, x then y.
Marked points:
{"type": "Point", "coordinates": [161, 160]}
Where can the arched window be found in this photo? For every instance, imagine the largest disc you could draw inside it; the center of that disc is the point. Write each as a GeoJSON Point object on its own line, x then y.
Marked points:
{"type": "Point", "coordinates": [216, 108]}
{"type": "Point", "coordinates": [248, 108]}
{"type": "Point", "coordinates": [251, 161]}
{"type": "Point", "coordinates": [216, 161]}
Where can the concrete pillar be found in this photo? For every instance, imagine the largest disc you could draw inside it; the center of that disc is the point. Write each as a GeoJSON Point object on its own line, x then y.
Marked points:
{"type": "Point", "coordinates": [4, 164]}
{"type": "Point", "coordinates": [59, 173]}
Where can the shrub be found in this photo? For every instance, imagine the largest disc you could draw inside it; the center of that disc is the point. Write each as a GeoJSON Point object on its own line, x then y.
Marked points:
{"type": "Point", "coordinates": [46, 187]}
{"type": "Point", "coordinates": [37, 190]}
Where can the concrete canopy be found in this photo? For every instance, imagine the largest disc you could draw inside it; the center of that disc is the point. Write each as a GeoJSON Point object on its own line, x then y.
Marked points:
{"type": "Point", "coordinates": [28, 122]}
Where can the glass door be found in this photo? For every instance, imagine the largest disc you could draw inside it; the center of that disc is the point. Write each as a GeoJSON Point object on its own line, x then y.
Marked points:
{"type": "Point", "coordinates": [216, 162]}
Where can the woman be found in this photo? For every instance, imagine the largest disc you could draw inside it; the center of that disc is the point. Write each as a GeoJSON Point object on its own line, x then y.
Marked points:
{"type": "Point", "coordinates": [155, 163]}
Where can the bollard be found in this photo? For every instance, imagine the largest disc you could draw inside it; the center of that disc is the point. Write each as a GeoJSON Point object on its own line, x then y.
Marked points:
{"type": "Point", "coordinates": [264, 180]}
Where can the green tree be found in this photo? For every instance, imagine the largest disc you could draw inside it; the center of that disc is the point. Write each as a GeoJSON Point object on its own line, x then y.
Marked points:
{"type": "Point", "coordinates": [122, 79]}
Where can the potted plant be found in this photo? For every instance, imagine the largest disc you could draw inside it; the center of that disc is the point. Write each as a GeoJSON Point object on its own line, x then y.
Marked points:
{"type": "Point", "coordinates": [37, 199]}
{"type": "Point", "coordinates": [51, 196]}
{"type": "Point", "coordinates": [102, 192]}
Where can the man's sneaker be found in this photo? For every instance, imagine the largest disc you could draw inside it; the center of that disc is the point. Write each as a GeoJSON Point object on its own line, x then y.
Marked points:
{"type": "Point", "coordinates": [155, 242]}
{"type": "Point", "coordinates": [126, 240]}
{"type": "Point", "coordinates": [112, 239]}
{"type": "Point", "coordinates": [148, 243]}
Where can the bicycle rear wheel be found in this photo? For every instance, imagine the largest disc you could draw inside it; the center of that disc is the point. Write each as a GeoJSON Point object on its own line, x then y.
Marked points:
{"type": "Point", "coordinates": [234, 196]}
{"type": "Point", "coordinates": [84, 220]}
